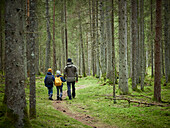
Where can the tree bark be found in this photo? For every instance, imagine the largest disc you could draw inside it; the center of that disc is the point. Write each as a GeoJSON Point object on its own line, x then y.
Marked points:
{"type": "Point", "coordinates": [109, 41]}
{"type": "Point", "coordinates": [134, 42]}
{"type": "Point", "coordinates": [62, 36]}
{"type": "Point", "coordinates": [123, 70]}
{"type": "Point", "coordinates": [54, 45]}
{"type": "Point", "coordinates": [93, 38]}
{"type": "Point", "coordinates": [82, 46]}
{"type": "Point", "coordinates": [142, 48]}
{"type": "Point", "coordinates": [32, 35]}
{"type": "Point", "coordinates": [158, 27]}
{"type": "Point", "coordinates": [97, 43]}
{"type": "Point", "coordinates": [66, 38]}
{"type": "Point", "coordinates": [27, 37]}
{"type": "Point", "coordinates": [166, 39]}
{"type": "Point", "coordinates": [102, 40]}
{"type": "Point", "coordinates": [152, 39]}
{"type": "Point", "coordinates": [48, 42]}
{"type": "Point", "coordinates": [14, 75]}
{"type": "Point", "coordinates": [1, 60]}
{"type": "Point", "coordinates": [113, 52]}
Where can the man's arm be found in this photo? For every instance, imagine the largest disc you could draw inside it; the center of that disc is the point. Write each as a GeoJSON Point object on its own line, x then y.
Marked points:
{"type": "Point", "coordinates": [76, 73]}
{"type": "Point", "coordinates": [65, 73]}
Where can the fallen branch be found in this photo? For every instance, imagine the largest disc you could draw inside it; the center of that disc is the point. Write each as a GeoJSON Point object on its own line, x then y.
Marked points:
{"type": "Point", "coordinates": [110, 95]}
{"type": "Point", "coordinates": [139, 102]}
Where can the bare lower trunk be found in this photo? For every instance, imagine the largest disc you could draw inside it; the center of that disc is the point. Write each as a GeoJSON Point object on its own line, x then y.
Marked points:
{"type": "Point", "coordinates": [157, 84]}
{"type": "Point", "coordinates": [123, 71]}
{"type": "Point", "coordinates": [134, 43]}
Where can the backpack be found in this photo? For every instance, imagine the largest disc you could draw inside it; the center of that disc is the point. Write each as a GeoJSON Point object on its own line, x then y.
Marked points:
{"type": "Point", "coordinates": [58, 81]}
{"type": "Point", "coordinates": [49, 80]}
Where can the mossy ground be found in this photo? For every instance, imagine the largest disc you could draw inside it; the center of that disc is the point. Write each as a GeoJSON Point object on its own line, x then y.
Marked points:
{"type": "Point", "coordinates": [93, 101]}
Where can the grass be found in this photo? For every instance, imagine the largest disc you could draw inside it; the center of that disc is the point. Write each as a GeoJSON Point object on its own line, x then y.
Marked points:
{"type": "Point", "coordinates": [47, 116]}
{"type": "Point", "coordinates": [93, 102]}
{"type": "Point", "coordinates": [120, 114]}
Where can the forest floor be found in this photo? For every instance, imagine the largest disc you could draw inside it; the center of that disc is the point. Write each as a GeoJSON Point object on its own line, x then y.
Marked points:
{"type": "Point", "coordinates": [94, 107]}
{"type": "Point", "coordinates": [64, 106]}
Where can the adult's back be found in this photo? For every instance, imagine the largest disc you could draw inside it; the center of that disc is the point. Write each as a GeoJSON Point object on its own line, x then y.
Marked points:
{"type": "Point", "coordinates": [70, 71]}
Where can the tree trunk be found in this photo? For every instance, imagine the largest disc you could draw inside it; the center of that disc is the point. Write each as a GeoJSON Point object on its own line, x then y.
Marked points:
{"type": "Point", "coordinates": [62, 36]}
{"type": "Point", "coordinates": [157, 84]}
{"type": "Point", "coordinates": [32, 36]}
{"type": "Point", "coordinates": [93, 38]}
{"type": "Point", "coordinates": [97, 43]}
{"type": "Point", "coordinates": [142, 48]}
{"type": "Point", "coordinates": [14, 75]}
{"type": "Point", "coordinates": [24, 39]}
{"type": "Point", "coordinates": [134, 42]}
{"type": "Point", "coordinates": [28, 38]}
{"type": "Point", "coordinates": [152, 39]}
{"type": "Point", "coordinates": [166, 39]}
{"type": "Point", "coordinates": [1, 60]}
{"type": "Point", "coordinates": [109, 41]}
{"type": "Point", "coordinates": [102, 40]}
{"type": "Point", "coordinates": [82, 46]}
{"type": "Point", "coordinates": [123, 70]}
{"type": "Point", "coordinates": [66, 38]}
{"type": "Point", "coordinates": [113, 52]}
{"type": "Point", "coordinates": [48, 42]}
{"type": "Point", "coordinates": [54, 45]}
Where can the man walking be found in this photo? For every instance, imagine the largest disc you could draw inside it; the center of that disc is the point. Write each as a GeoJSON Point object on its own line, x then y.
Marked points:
{"type": "Point", "coordinates": [70, 71]}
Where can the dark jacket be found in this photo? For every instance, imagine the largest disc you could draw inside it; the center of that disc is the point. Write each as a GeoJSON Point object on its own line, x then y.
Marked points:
{"type": "Point", "coordinates": [51, 85]}
{"type": "Point", "coordinates": [62, 79]}
{"type": "Point", "coordinates": [70, 71]}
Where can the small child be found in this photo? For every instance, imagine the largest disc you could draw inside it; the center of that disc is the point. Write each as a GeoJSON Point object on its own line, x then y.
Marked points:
{"type": "Point", "coordinates": [49, 79]}
{"type": "Point", "coordinates": [59, 97]}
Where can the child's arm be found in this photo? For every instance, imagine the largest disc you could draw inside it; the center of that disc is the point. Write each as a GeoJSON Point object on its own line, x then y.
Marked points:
{"type": "Point", "coordinates": [62, 79]}
{"type": "Point", "coordinates": [53, 78]}
{"type": "Point", "coordinates": [45, 79]}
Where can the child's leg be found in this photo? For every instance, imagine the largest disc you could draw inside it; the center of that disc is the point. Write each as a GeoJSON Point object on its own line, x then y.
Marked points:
{"type": "Point", "coordinates": [57, 93]}
{"type": "Point", "coordinates": [61, 91]}
{"type": "Point", "coordinates": [50, 92]}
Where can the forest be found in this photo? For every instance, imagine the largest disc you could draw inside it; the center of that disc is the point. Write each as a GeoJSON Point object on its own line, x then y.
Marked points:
{"type": "Point", "coordinates": [121, 49]}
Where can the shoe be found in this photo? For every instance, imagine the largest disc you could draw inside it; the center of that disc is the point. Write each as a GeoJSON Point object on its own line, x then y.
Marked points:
{"type": "Point", "coordinates": [57, 97]}
{"type": "Point", "coordinates": [50, 98]}
{"type": "Point", "coordinates": [60, 98]}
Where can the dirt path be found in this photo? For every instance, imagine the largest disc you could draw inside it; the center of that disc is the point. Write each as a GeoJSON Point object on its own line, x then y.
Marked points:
{"type": "Point", "coordinates": [63, 106]}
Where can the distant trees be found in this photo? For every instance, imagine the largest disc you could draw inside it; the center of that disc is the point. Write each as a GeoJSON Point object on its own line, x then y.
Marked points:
{"type": "Point", "coordinates": [99, 40]}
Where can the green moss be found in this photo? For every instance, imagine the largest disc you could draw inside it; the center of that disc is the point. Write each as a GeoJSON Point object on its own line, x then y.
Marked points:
{"type": "Point", "coordinates": [26, 120]}
{"type": "Point", "coordinates": [8, 117]}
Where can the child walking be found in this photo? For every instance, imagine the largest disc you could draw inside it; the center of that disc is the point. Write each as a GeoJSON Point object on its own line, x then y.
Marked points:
{"type": "Point", "coordinates": [59, 84]}
{"type": "Point", "coordinates": [49, 79]}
